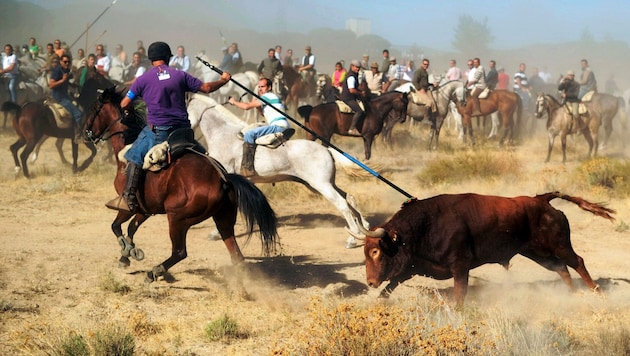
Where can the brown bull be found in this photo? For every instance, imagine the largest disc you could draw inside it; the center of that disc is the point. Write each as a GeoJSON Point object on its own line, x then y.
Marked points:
{"type": "Point", "coordinates": [448, 235]}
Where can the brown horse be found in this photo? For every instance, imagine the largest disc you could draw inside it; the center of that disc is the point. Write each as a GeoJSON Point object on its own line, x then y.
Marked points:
{"type": "Point", "coordinates": [296, 87]}
{"type": "Point", "coordinates": [560, 122]}
{"type": "Point", "coordinates": [34, 121]}
{"type": "Point", "coordinates": [326, 119]}
{"type": "Point", "coordinates": [190, 190]}
{"type": "Point", "coordinates": [507, 103]}
{"type": "Point", "coordinates": [603, 108]}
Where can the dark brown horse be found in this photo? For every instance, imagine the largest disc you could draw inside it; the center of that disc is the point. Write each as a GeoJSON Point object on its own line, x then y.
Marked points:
{"type": "Point", "coordinates": [326, 119]}
{"type": "Point", "coordinates": [296, 88]}
{"type": "Point", "coordinates": [34, 121]}
{"type": "Point", "coordinates": [507, 103]}
{"type": "Point", "coordinates": [190, 190]}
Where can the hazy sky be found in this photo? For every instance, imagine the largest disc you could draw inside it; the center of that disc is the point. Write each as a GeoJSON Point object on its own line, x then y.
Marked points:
{"type": "Point", "coordinates": [405, 22]}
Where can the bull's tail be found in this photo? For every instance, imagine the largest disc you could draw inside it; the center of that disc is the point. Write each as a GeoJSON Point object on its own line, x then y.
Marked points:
{"type": "Point", "coordinates": [594, 208]}
{"type": "Point", "coordinates": [305, 111]}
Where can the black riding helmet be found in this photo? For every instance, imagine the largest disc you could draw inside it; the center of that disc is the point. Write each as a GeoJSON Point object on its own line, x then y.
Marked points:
{"type": "Point", "coordinates": [159, 50]}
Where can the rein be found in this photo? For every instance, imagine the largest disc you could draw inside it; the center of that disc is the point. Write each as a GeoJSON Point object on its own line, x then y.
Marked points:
{"type": "Point", "coordinates": [102, 136]}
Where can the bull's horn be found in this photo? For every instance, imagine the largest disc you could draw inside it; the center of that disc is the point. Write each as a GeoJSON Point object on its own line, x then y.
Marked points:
{"type": "Point", "coordinates": [378, 233]}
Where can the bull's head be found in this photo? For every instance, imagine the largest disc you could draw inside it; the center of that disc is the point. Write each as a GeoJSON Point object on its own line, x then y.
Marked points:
{"type": "Point", "coordinates": [380, 249]}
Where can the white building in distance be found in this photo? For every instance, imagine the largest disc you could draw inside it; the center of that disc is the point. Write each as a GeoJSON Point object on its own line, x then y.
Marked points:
{"type": "Point", "coordinates": [359, 26]}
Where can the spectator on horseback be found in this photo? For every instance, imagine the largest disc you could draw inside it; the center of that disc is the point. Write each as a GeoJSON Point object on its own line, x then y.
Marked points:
{"type": "Point", "coordinates": [164, 92]}
{"type": "Point", "coordinates": [365, 62]}
{"type": "Point", "coordinates": [278, 53]}
{"type": "Point", "coordinates": [33, 47]}
{"type": "Point", "coordinates": [393, 73]}
{"type": "Point", "coordinates": [237, 57]}
{"type": "Point", "coordinates": [103, 62]}
{"type": "Point", "coordinates": [536, 82]}
{"type": "Point", "coordinates": [476, 85]}
{"type": "Point", "coordinates": [453, 73]}
{"type": "Point", "coordinates": [59, 51]}
{"type": "Point", "coordinates": [10, 70]}
{"type": "Point", "coordinates": [307, 66]}
{"type": "Point", "coordinates": [270, 66]}
{"type": "Point", "coordinates": [521, 85]}
{"type": "Point", "coordinates": [226, 61]}
{"type": "Point", "coordinates": [503, 79]}
{"type": "Point", "coordinates": [352, 95]}
{"type": "Point", "coordinates": [385, 63]}
{"type": "Point", "coordinates": [59, 80]}
{"type": "Point", "coordinates": [587, 80]}
{"type": "Point", "coordinates": [79, 60]}
{"type": "Point", "coordinates": [570, 90]}
{"type": "Point", "coordinates": [134, 70]}
{"type": "Point", "coordinates": [276, 122]}
{"type": "Point", "coordinates": [423, 86]}
{"type": "Point", "coordinates": [88, 69]}
{"type": "Point", "coordinates": [180, 61]}
{"type": "Point", "coordinates": [338, 76]}
{"type": "Point", "coordinates": [49, 56]}
{"type": "Point", "coordinates": [374, 80]}
{"type": "Point", "coordinates": [288, 58]}
{"type": "Point", "coordinates": [492, 77]}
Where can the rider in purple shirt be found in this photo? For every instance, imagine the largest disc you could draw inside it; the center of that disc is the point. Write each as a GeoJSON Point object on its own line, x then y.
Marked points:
{"type": "Point", "coordinates": [164, 91]}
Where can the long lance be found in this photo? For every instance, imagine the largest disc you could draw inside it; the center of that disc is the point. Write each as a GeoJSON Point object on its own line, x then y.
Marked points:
{"type": "Point", "coordinates": [345, 154]}
{"type": "Point", "coordinates": [93, 22]}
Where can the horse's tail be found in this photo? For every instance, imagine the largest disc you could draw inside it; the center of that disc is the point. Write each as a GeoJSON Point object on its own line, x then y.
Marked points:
{"type": "Point", "coordinates": [305, 111]}
{"type": "Point", "coordinates": [9, 106]}
{"type": "Point", "coordinates": [255, 208]}
{"type": "Point", "coordinates": [623, 113]}
{"type": "Point", "coordinates": [594, 208]}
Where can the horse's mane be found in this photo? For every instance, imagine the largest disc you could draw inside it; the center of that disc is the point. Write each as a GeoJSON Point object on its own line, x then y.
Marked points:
{"type": "Point", "coordinates": [227, 115]}
{"type": "Point", "coordinates": [552, 98]}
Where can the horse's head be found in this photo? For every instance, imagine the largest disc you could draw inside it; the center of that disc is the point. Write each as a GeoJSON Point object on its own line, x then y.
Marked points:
{"type": "Point", "coordinates": [542, 105]}
{"type": "Point", "coordinates": [105, 113]}
{"type": "Point", "coordinates": [322, 81]}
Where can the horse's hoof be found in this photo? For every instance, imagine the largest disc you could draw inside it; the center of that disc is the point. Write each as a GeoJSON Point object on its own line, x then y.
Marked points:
{"type": "Point", "coordinates": [124, 262]}
{"type": "Point", "coordinates": [137, 254]}
{"type": "Point", "coordinates": [150, 278]}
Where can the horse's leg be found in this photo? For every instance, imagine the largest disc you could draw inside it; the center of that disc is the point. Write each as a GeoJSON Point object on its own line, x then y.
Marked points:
{"type": "Point", "coordinates": [178, 228]}
{"type": "Point", "coordinates": [367, 145]}
{"type": "Point", "coordinates": [551, 139]}
{"type": "Point", "coordinates": [88, 160]}
{"type": "Point", "coordinates": [126, 243]}
{"type": "Point", "coordinates": [59, 145]}
{"type": "Point", "coordinates": [225, 221]}
{"type": "Point", "coordinates": [494, 117]}
{"type": "Point", "coordinates": [563, 141]}
{"type": "Point", "coordinates": [592, 142]}
{"type": "Point", "coordinates": [75, 157]}
{"type": "Point", "coordinates": [30, 145]}
{"type": "Point", "coordinates": [21, 141]}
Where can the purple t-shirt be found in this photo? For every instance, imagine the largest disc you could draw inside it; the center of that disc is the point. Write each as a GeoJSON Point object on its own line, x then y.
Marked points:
{"type": "Point", "coordinates": [164, 91]}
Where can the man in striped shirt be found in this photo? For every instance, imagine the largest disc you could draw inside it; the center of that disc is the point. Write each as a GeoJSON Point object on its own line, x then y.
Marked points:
{"type": "Point", "coordinates": [521, 86]}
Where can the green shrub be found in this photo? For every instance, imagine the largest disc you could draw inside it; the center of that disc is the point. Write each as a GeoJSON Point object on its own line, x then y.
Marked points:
{"type": "Point", "coordinates": [224, 328]}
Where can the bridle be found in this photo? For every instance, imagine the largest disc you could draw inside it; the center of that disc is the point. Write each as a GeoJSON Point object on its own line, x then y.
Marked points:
{"type": "Point", "coordinates": [106, 134]}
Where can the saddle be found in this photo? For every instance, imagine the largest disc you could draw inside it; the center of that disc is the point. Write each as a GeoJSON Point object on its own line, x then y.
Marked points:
{"type": "Point", "coordinates": [273, 140]}
{"type": "Point", "coordinates": [63, 117]}
{"type": "Point", "coordinates": [581, 109]}
{"type": "Point", "coordinates": [588, 96]}
{"type": "Point", "coordinates": [483, 95]}
{"type": "Point", "coordinates": [176, 145]}
{"type": "Point", "coordinates": [344, 108]}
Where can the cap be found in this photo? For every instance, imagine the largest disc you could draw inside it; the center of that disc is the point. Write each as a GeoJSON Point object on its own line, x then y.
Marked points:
{"type": "Point", "coordinates": [356, 63]}
{"type": "Point", "coordinates": [392, 59]}
{"type": "Point", "coordinates": [308, 48]}
{"type": "Point", "coordinates": [570, 72]}
{"type": "Point", "coordinates": [365, 55]}
{"type": "Point", "coordinates": [159, 51]}
{"type": "Point", "coordinates": [224, 48]}
{"type": "Point", "coordinates": [374, 65]}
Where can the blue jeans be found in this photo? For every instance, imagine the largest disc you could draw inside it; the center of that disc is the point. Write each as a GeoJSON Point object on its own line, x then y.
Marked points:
{"type": "Point", "coordinates": [13, 83]}
{"type": "Point", "coordinates": [147, 139]}
{"type": "Point", "coordinates": [251, 135]}
{"type": "Point", "coordinates": [76, 113]}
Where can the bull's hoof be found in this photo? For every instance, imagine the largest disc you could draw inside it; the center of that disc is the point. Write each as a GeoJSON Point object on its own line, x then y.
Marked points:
{"type": "Point", "coordinates": [124, 262]}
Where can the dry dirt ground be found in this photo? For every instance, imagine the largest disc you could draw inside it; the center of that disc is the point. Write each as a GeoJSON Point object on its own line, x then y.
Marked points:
{"type": "Point", "coordinates": [58, 253]}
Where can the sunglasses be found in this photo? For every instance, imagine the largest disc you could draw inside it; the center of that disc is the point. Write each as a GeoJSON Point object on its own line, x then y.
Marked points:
{"type": "Point", "coordinates": [65, 61]}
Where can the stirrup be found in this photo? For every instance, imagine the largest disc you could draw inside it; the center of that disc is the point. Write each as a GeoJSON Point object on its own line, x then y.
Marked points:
{"type": "Point", "coordinates": [118, 203]}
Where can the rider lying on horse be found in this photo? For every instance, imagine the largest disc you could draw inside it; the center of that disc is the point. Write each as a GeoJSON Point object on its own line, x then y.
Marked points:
{"type": "Point", "coordinates": [276, 121]}
{"type": "Point", "coordinates": [164, 92]}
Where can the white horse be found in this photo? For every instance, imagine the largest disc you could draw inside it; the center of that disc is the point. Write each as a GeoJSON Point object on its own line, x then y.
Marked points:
{"type": "Point", "coordinates": [301, 161]}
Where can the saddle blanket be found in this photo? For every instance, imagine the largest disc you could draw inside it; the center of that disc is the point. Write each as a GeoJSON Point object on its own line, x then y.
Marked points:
{"type": "Point", "coordinates": [61, 114]}
{"type": "Point", "coordinates": [581, 109]}
{"type": "Point", "coordinates": [588, 96]}
{"type": "Point", "coordinates": [344, 108]}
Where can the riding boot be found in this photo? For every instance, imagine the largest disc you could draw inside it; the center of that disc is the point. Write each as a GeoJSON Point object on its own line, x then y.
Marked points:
{"type": "Point", "coordinates": [128, 201]}
{"type": "Point", "coordinates": [247, 163]}
{"type": "Point", "coordinates": [476, 106]}
{"type": "Point", "coordinates": [353, 126]}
